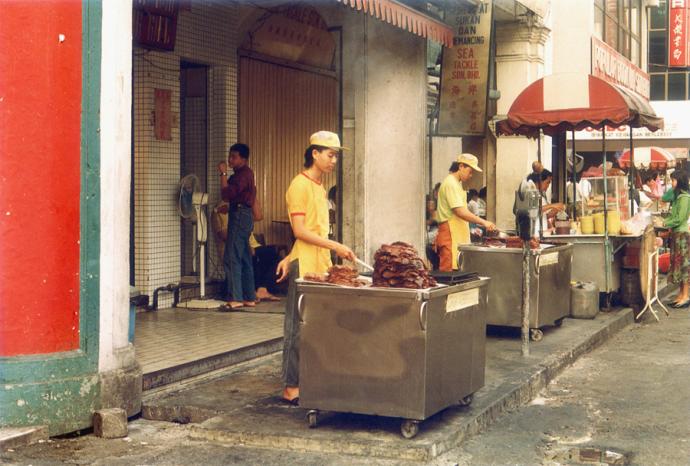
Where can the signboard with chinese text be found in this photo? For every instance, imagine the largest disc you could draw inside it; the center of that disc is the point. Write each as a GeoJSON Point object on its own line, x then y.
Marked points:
{"type": "Point", "coordinates": [613, 67]}
{"type": "Point", "coordinates": [464, 74]}
{"type": "Point", "coordinates": [678, 15]}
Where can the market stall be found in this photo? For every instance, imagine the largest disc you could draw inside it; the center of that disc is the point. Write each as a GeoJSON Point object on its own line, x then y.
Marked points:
{"type": "Point", "coordinates": [549, 278]}
{"type": "Point", "coordinates": [400, 346]}
{"type": "Point", "coordinates": [589, 102]}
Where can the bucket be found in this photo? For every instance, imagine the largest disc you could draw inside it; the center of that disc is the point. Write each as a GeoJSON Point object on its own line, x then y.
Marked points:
{"type": "Point", "coordinates": [631, 291]}
{"type": "Point", "coordinates": [598, 223]}
{"type": "Point", "coordinates": [584, 300]}
{"type": "Point", "coordinates": [586, 225]}
{"type": "Point", "coordinates": [614, 222]}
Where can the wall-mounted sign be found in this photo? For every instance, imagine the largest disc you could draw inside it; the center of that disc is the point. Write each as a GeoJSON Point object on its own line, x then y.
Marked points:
{"type": "Point", "coordinates": [465, 73]}
{"type": "Point", "coordinates": [678, 51]}
{"type": "Point", "coordinates": [296, 33]}
{"type": "Point", "coordinates": [613, 67]}
{"type": "Point", "coordinates": [676, 125]}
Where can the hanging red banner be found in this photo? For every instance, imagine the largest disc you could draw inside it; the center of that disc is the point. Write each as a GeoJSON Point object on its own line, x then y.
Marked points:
{"type": "Point", "coordinates": [678, 16]}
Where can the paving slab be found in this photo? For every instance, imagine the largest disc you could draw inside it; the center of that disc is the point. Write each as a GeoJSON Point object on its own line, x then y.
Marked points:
{"type": "Point", "coordinates": [13, 437]}
{"type": "Point", "coordinates": [244, 408]}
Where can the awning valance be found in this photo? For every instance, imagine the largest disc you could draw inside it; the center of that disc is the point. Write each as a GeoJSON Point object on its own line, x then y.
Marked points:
{"type": "Point", "coordinates": [406, 18]}
{"type": "Point", "coordinates": [576, 101]}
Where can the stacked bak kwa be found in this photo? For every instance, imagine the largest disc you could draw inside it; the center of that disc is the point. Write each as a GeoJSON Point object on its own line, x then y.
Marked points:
{"type": "Point", "coordinates": [398, 265]}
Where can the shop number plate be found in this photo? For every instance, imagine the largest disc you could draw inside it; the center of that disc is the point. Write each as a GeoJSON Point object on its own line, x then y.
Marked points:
{"type": "Point", "coordinates": [461, 300]}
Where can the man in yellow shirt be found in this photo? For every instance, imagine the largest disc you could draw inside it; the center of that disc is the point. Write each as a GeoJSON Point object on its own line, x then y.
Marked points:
{"type": "Point", "coordinates": [453, 214]}
{"type": "Point", "coordinates": [307, 205]}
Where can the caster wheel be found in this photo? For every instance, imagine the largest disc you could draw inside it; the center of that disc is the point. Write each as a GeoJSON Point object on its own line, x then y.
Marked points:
{"type": "Point", "coordinates": [466, 401]}
{"type": "Point", "coordinates": [409, 428]}
{"type": "Point", "coordinates": [536, 334]}
{"type": "Point", "coordinates": [312, 418]}
{"type": "Point", "coordinates": [559, 322]}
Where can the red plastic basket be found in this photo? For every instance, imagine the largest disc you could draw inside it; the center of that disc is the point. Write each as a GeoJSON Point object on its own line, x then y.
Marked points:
{"type": "Point", "coordinates": [664, 262]}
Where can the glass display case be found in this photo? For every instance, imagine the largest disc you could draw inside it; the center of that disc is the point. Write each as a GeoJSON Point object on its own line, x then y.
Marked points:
{"type": "Point", "coordinates": [618, 196]}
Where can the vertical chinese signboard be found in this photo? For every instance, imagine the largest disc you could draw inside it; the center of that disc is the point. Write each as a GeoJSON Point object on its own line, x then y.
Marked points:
{"type": "Point", "coordinates": [464, 74]}
{"type": "Point", "coordinates": [678, 13]}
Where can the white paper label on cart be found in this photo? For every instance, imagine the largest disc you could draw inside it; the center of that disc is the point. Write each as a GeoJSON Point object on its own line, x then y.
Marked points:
{"type": "Point", "coordinates": [462, 299]}
{"type": "Point", "coordinates": [548, 259]}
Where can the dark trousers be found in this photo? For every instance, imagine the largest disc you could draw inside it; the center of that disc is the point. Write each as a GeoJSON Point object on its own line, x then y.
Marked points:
{"type": "Point", "coordinates": [291, 331]}
{"type": "Point", "coordinates": [237, 260]}
{"type": "Point", "coordinates": [266, 260]}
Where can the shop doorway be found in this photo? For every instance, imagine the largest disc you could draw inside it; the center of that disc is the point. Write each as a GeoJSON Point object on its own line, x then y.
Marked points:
{"type": "Point", "coordinates": [193, 151]}
{"type": "Point", "coordinates": [280, 107]}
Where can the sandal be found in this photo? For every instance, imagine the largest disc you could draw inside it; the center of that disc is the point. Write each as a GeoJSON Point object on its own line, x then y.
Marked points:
{"type": "Point", "coordinates": [270, 297]}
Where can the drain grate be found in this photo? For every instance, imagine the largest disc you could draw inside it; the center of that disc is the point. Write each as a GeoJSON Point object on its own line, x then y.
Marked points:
{"type": "Point", "coordinates": [599, 456]}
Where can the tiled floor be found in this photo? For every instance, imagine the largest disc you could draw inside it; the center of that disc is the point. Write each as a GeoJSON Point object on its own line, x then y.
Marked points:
{"type": "Point", "coordinates": [170, 337]}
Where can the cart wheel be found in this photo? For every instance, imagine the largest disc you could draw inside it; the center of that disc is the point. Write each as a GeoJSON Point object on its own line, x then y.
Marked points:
{"type": "Point", "coordinates": [559, 322]}
{"type": "Point", "coordinates": [466, 401]}
{"type": "Point", "coordinates": [312, 418]}
{"type": "Point", "coordinates": [536, 334]}
{"type": "Point", "coordinates": [409, 428]}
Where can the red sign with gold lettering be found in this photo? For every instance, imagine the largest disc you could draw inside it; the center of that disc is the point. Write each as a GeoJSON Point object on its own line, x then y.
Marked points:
{"type": "Point", "coordinates": [678, 16]}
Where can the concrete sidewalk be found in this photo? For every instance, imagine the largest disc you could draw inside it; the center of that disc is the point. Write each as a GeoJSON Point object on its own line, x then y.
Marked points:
{"type": "Point", "coordinates": [241, 406]}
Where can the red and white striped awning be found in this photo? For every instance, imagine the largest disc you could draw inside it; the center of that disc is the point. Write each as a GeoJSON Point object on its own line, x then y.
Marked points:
{"type": "Point", "coordinates": [406, 18]}
{"type": "Point", "coordinates": [573, 101]}
{"type": "Point", "coordinates": [655, 158]}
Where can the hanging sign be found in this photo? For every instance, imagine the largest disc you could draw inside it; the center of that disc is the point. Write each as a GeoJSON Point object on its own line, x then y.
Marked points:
{"type": "Point", "coordinates": [678, 34]}
{"type": "Point", "coordinates": [465, 73]}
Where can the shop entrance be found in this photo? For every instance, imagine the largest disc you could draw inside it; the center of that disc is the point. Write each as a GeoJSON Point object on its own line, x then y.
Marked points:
{"type": "Point", "coordinates": [280, 107]}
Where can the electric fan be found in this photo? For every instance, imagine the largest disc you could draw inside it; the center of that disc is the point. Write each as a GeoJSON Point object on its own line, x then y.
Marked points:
{"type": "Point", "coordinates": [190, 206]}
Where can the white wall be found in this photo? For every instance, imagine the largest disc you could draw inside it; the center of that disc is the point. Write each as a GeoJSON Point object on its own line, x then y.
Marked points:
{"type": "Point", "coordinates": [115, 131]}
{"type": "Point", "coordinates": [572, 28]}
{"type": "Point", "coordinates": [394, 137]}
{"type": "Point", "coordinates": [207, 35]}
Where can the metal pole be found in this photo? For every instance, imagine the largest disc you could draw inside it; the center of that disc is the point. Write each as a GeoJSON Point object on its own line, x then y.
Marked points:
{"type": "Point", "coordinates": [541, 225]}
{"type": "Point", "coordinates": [524, 329]}
{"type": "Point", "coordinates": [573, 181]}
{"type": "Point", "coordinates": [633, 174]}
{"type": "Point", "coordinates": [607, 249]}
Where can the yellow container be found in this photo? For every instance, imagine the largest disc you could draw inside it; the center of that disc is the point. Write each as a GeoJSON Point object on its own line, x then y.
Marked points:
{"type": "Point", "coordinates": [614, 222]}
{"type": "Point", "coordinates": [598, 223]}
{"type": "Point", "coordinates": [586, 225]}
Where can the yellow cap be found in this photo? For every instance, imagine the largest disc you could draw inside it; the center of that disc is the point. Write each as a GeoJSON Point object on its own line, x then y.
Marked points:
{"type": "Point", "coordinates": [326, 139]}
{"type": "Point", "coordinates": [469, 160]}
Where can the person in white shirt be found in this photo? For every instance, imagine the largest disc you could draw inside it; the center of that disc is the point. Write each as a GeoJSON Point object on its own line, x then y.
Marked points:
{"type": "Point", "coordinates": [473, 201]}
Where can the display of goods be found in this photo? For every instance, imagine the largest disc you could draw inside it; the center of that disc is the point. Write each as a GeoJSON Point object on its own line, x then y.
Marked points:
{"type": "Point", "coordinates": [398, 265]}
{"type": "Point", "coordinates": [516, 242]}
{"type": "Point", "coordinates": [341, 275]}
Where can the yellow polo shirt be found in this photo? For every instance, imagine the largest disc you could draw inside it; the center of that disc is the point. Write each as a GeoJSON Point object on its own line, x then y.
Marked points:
{"type": "Point", "coordinates": [306, 197]}
{"type": "Point", "coordinates": [450, 196]}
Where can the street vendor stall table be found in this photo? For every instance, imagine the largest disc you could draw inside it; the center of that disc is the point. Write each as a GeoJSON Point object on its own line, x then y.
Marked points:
{"type": "Point", "coordinates": [549, 279]}
{"type": "Point", "coordinates": [593, 262]}
{"type": "Point", "coordinates": [573, 102]}
{"type": "Point", "coordinates": [406, 353]}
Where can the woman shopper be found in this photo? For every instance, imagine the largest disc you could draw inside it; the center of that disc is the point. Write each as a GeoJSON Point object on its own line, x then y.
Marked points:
{"type": "Point", "coordinates": [678, 223]}
{"type": "Point", "coordinates": [307, 205]}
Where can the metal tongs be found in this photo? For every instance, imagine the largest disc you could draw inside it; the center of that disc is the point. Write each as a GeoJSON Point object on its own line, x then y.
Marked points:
{"type": "Point", "coordinates": [364, 264]}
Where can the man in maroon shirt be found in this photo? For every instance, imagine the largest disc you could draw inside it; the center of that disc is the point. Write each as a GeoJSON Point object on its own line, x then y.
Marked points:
{"type": "Point", "coordinates": [240, 192]}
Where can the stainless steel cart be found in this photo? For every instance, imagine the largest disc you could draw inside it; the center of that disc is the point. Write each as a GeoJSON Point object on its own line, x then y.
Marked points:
{"type": "Point", "coordinates": [389, 351]}
{"type": "Point", "coordinates": [549, 284]}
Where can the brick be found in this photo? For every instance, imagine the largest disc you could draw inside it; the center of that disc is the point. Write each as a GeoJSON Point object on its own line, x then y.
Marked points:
{"type": "Point", "coordinates": [110, 423]}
